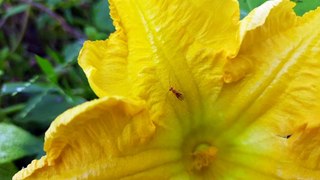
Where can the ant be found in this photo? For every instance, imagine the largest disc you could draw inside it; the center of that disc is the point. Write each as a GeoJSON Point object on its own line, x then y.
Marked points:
{"type": "Point", "coordinates": [176, 93]}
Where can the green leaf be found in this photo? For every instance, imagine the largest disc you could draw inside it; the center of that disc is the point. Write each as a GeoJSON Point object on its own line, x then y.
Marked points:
{"type": "Point", "coordinates": [7, 170]}
{"type": "Point", "coordinates": [71, 51]}
{"type": "Point", "coordinates": [41, 110]}
{"type": "Point", "coordinates": [11, 109]}
{"type": "Point", "coordinates": [47, 68]}
{"type": "Point", "coordinates": [54, 55]}
{"type": "Point", "coordinates": [53, 3]}
{"type": "Point", "coordinates": [248, 5]}
{"type": "Point", "coordinates": [244, 6]}
{"type": "Point", "coordinates": [44, 21]}
{"type": "Point", "coordinates": [304, 6]}
{"type": "Point", "coordinates": [25, 87]}
{"type": "Point", "coordinates": [16, 143]}
{"type": "Point", "coordinates": [101, 17]}
{"type": "Point", "coordinates": [4, 53]}
{"type": "Point", "coordinates": [243, 13]}
{"type": "Point", "coordinates": [16, 10]}
{"type": "Point", "coordinates": [93, 34]}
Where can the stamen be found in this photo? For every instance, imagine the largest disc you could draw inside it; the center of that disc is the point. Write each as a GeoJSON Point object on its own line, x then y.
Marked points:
{"type": "Point", "coordinates": [202, 157]}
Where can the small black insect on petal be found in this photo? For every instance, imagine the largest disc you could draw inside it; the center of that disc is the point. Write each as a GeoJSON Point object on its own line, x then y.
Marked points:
{"type": "Point", "coordinates": [288, 136]}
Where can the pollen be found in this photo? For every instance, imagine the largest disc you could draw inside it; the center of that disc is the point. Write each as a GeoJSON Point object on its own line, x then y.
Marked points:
{"type": "Point", "coordinates": [203, 156]}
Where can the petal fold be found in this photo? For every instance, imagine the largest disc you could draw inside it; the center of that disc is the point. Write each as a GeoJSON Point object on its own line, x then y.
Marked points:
{"type": "Point", "coordinates": [283, 75]}
{"type": "Point", "coordinates": [268, 20]}
{"type": "Point", "coordinates": [107, 138]}
{"type": "Point", "coordinates": [163, 44]}
{"type": "Point", "coordinates": [304, 147]}
{"type": "Point", "coordinates": [273, 89]}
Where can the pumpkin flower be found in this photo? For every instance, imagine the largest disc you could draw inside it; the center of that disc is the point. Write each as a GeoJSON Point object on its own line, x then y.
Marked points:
{"type": "Point", "coordinates": [188, 91]}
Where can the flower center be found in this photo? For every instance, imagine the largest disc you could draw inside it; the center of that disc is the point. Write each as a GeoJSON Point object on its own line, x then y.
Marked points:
{"type": "Point", "coordinates": [202, 156]}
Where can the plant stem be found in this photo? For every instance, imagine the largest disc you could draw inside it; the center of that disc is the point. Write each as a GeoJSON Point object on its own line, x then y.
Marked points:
{"type": "Point", "coordinates": [65, 26]}
{"type": "Point", "coordinates": [23, 30]}
{"type": "Point", "coordinates": [12, 109]}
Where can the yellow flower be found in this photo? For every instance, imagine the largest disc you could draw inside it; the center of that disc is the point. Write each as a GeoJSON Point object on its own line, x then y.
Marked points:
{"type": "Point", "coordinates": [187, 91]}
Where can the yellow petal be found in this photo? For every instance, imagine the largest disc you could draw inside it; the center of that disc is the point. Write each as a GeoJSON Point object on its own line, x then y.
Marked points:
{"type": "Point", "coordinates": [163, 44]}
{"type": "Point", "coordinates": [190, 124]}
{"type": "Point", "coordinates": [274, 88]}
{"type": "Point", "coordinates": [268, 20]}
{"type": "Point", "coordinates": [295, 156]}
{"type": "Point", "coordinates": [105, 65]}
{"type": "Point", "coordinates": [304, 153]}
{"type": "Point", "coordinates": [102, 139]}
{"type": "Point", "coordinates": [284, 76]}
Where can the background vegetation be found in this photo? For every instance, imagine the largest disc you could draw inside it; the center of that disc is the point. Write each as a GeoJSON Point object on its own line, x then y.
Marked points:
{"type": "Point", "coordinates": [39, 76]}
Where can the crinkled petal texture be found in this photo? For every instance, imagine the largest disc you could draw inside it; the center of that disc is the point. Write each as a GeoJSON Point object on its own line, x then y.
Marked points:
{"type": "Point", "coordinates": [162, 44]}
{"type": "Point", "coordinates": [100, 140]}
{"type": "Point", "coordinates": [189, 92]}
{"type": "Point", "coordinates": [271, 103]}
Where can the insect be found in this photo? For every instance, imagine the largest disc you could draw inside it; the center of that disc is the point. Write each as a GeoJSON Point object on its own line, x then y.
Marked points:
{"type": "Point", "coordinates": [176, 93]}
{"type": "Point", "coordinates": [285, 136]}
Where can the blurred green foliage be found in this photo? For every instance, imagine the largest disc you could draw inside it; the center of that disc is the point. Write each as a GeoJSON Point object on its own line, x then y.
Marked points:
{"type": "Point", "coordinates": [39, 75]}
{"type": "Point", "coordinates": [301, 7]}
